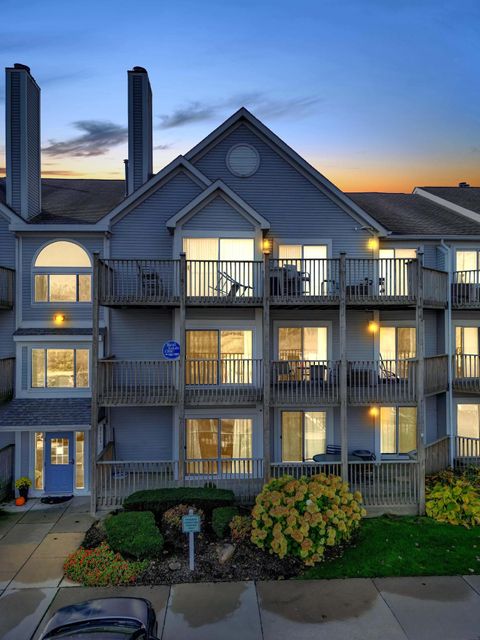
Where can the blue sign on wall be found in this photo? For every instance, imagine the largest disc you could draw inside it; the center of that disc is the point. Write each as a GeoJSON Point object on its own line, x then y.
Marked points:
{"type": "Point", "coordinates": [171, 350]}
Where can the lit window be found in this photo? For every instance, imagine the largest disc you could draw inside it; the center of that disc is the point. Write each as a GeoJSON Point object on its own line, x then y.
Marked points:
{"type": "Point", "coordinates": [63, 273]}
{"type": "Point", "coordinates": [304, 435]}
{"type": "Point", "coordinates": [60, 368]}
{"type": "Point", "coordinates": [80, 460]}
{"type": "Point", "coordinates": [398, 429]}
{"type": "Point", "coordinates": [219, 357]}
{"type": "Point", "coordinates": [39, 448]}
{"type": "Point", "coordinates": [468, 421]}
{"type": "Point", "coordinates": [303, 270]}
{"type": "Point", "coordinates": [59, 451]}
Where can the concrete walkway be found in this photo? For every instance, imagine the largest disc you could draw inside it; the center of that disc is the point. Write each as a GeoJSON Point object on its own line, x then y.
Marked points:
{"type": "Point", "coordinates": [35, 541]}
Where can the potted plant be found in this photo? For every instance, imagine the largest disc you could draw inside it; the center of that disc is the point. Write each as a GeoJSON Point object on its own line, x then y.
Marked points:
{"type": "Point", "coordinates": [23, 485]}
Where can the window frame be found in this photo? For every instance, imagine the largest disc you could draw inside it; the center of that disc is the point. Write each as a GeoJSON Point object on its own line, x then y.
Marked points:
{"type": "Point", "coordinates": [396, 454]}
{"type": "Point", "coordinates": [45, 350]}
{"type": "Point", "coordinates": [303, 412]}
{"type": "Point", "coordinates": [59, 271]}
{"type": "Point", "coordinates": [458, 250]}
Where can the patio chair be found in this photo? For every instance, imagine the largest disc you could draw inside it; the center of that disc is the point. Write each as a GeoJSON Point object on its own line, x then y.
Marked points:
{"type": "Point", "coordinates": [229, 287]}
{"type": "Point", "coordinates": [364, 454]}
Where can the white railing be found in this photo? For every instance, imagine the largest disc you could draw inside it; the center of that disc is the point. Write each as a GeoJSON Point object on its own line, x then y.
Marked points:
{"type": "Point", "coordinates": [466, 373]}
{"type": "Point", "coordinates": [299, 469]}
{"type": "Point", "coordinates": [137, 382]}
{"type": "Point", "coordinates": [304, 281]}
{"type": "Point", "coordinates": [225, 380]}
{"type": "Point", "coordinates": [224, 282]}
{"type": "Point", "coordinates": [467, 452]}
{"type": "Point", "coordinates": [435, 287]}
{"type": "Point", "coordinates": [437, 455]}
{"type": "Point", "coordinates": [7, 368]}
{"type": "Point", "coordinates": [382, 381]}
{"type": "Point", "coordinates": [436, 374]}
{"type": "Point", "coordinates": [6, 287]}
{"type": "Point", "coordinates": [466, 289]}
{"type": "Point", "coordinates": [139, 282]}
{"type": "Point", "coordinates": [305, 382]}
{"type": "Point", "coordinates": [380, 281]}
{"type": "Point", "coordinates": [385, 484]}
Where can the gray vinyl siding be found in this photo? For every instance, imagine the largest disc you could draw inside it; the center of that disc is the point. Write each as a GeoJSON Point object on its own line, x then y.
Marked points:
{"type": "Point", "coordinates": [25, 457]}
{"type": "Point", "coordinates": [143, 433]}
{"type": "Point", "coordinates": [143, 233]}
{"type": "Point", "coordinates": [139, 334]}
{"type": "Point", "coordinates": [441, 415]}
{"type": "Point", "coordinates": [24, 370]}
{"type": "Point", "coordinates": [44, 311]}
{"type": "Point", "coordinates": [430, 256]}
{"type": "Point", "coordinates": [295, 208]}
{"type": "Point", "coordinates": [431, 427]}
{"type": "Point", "coordinates": [14, 172]}
{"type": "Point", "coordinates": [33, 149]}
{"type": "Point", "coordinates": [217, 216]}
{"type": "Point", "coordinates": [7, 318]}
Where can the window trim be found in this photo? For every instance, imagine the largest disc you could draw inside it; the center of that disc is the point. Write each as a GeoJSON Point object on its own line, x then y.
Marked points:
{"type": "Point", "coordinates": [302, 412]}
{"type": "Point", "coordinates": [396, 455]}
{"type": "Point", "coordinates": [278, 324]}
{"type": "Point", "coordinates": [310, 242]}
{"type": "Point", "coordinates": [45, 349]}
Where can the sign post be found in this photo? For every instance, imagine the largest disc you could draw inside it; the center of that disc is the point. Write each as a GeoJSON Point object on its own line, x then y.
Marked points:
{"type": "Point", "coordinates": [191, 525]}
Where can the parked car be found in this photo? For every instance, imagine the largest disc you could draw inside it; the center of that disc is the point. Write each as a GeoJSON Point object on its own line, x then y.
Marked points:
{"type": "Point", "coordinates": [108, 618]}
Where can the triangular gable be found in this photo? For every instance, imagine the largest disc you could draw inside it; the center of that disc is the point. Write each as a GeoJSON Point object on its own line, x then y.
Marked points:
{"type": "Point", "coordinates": [216, 189]}
{"type": "Point", "coordinates": [180, 163]}
{"type": "Point", "coordinates": [244, 116]}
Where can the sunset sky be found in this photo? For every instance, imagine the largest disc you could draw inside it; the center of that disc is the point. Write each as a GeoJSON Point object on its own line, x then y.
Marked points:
{"type": "Point", "coordinates": [379, 95]}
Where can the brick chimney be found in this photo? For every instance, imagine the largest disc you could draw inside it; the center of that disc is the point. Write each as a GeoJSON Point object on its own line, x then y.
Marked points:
{"type": "Point", "coordinates": [23, 184]}
{"type": "Point", "coordinates": [140, 153]}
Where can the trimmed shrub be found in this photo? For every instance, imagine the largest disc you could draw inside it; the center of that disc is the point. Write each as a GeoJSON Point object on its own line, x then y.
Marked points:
{"type": "Point", "coordinates": [160, 500]}
{"type": "Point", "coordinates": [134, 534]}
{"type": "Point", "coordinates": [101, 567]}
{"type": "Point", "coordinates": [454, 500]}
{"type": "Point", "coordinates": [172, 522]}
{"type": "Point", "coordinates": [301, 518]}
{"type": "Point", "coordinates": [241, 528]}
{"type": "Point", "coordinates": [221, 518]}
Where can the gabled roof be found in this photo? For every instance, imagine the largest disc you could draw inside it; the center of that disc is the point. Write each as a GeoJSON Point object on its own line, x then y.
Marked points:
{"type": "Point", "coordinates": [464, 200]}
{"type": "Point", "coordinates": [219, 187]}
{"type": "Point", "coordinates": [411, 214]}
{"type": "Point", "coordinates": [292, 156]}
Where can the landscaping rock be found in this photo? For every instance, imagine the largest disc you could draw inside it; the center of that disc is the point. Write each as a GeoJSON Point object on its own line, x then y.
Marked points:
{"type": "Point", "coordinates": [225, 553]}
{"type": "Point", "coordinates": [174, 566]}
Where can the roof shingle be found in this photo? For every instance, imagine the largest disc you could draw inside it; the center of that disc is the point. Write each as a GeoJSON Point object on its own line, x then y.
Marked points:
{"type": "Point", "coordinates": [45, 412]}
{"type": "Point", "coordinates": [467, 197]}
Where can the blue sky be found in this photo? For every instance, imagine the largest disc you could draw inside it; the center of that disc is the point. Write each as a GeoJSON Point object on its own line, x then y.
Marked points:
{"type": "Point", "coordinates": [377, 94]}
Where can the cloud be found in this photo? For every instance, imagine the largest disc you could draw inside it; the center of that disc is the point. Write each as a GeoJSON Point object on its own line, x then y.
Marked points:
{"type": "Point", "coordinates": [475, 149]}
{"type": "Point", "coordinates": [61, 173]}
{"type": "Point", "coordinates": [257, 101]}
{"type": "Point", "coordinates": [162, 147]}
{"type": "Point", "coordinates": [95, 140]}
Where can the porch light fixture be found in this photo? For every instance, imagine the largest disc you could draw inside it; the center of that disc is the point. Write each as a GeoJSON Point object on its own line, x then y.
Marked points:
{"type": "Point", "coordinates": [59, 318]}
{"type": "Point", "coordinates": [267, 245]}
{"type": "Point", "coordinates": [373, 327]}
{"type": "Point", "coordinates": [373, 243]}
{"type": "Point", "coordinates": [373, 411]}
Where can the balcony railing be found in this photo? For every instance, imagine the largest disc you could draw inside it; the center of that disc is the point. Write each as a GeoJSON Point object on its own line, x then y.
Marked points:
{"type": "Point", "coordinates": [303, 382]}
{"type": "Point", "coordinates": [6, 288]}
{"type": "Point", "coordinates": [435, 287]}
{"type": "Point", "coordinates": [466, 289]}
{"type": "Point", "coordinates": [381, 281]}
{"type": "Point", "coordinates": [382, 381]}
{"type": "Point", "coordinates": [307, 281]}
{"type": "Point", "coordinates": [7, 369]}
{"type": "Point", "coordinates": [437, 455]}
{"type": "Point", "coordinates": [223, 381]}
{"type": "Point", "coordinates": [467, 452]}
{"type": "Point", "coordinates": [137, 382]}
{"type": "Point", "coordinates": [224, 282]}
{"type": "Point", "coordinates": [139, 282]}
{"type": "Point", "coordinates": [436, 374]}
{"type": "Point", "coordinates": [299, 469]}
{"type": "Point", "coordinates": [466, 373]}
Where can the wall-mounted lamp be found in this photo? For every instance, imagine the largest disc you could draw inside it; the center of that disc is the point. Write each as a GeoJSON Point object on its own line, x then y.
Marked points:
{"type": "Point", "coordinates": [373, 327]}
{"type": "Point", "coordinates": [373, 243]}
{"type": "Point", "coordinates": [59, 318]}
{"type": "Point", "coordinates": [373, 411]}
{"type": "Point", "coordinates": [267, 245]}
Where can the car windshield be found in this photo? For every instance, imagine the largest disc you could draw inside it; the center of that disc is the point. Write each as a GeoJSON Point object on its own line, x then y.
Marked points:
{"type": "Point", "coordinates": [110, 630]}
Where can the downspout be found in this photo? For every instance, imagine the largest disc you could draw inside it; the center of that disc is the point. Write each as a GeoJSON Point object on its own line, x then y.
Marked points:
{"type": "Point", "coordinates": [449, 349]}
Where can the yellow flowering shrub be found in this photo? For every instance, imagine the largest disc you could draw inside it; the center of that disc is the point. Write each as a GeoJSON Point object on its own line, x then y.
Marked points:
{"type": "Point", "coordinates": [303, 517]}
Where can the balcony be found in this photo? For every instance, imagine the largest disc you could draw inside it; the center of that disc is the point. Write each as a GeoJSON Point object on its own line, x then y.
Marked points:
{"type": "Point", "coordinates": [436, 374]}
{"type": "Point", "coordinates": [226, 381]}
{"type": "Point", "coordinates": [466, 373]}
{"type": "Point", "coordinates": [224, 283]}
{"type": "Point", "coordinates": [304, 282]}
{"type": "Point", "coordinates": [466, 289]}
{"type": "Point", "coordinates": [7, 370]}
{"type": "Point", "coordinates": [137, 382]}
{"type": "Point", "coordinates": [382, 381]}
{"type": "Point", "coordinates": [305, 382]}
{"type": "Point", "coordinates": [6, 288]}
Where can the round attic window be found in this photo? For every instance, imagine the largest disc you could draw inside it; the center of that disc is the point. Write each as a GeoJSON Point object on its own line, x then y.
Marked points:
{"type": "Point", "coordinates": [243, 160]}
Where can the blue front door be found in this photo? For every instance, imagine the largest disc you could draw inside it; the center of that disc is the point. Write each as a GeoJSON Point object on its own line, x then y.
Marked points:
{"type": "Point", "coordinates": [59, 462]}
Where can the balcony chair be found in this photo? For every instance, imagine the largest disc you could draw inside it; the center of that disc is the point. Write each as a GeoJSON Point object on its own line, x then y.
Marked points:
{"type": "Point", "coordinates": [287, 281]}
{"type": "Point", "coordinates": [228, 287]}
{"type": "Point", "coordinates": [152, 285]}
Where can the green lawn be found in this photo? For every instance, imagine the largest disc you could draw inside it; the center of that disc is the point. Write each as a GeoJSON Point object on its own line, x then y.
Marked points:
{"type": "Point", "coordinates": [405, 546]}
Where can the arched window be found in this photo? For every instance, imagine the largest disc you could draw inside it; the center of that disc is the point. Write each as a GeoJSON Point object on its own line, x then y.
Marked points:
{"type": "Point", "coordinates": [62, 273]}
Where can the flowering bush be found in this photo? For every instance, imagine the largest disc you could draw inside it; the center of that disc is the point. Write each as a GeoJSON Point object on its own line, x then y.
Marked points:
{"type": "Point", "coordinates": [454, 500]}
{"type": "Point", "coordinates": [101, 567]}
{"type": "Point", "coordinates": [302, 517]}
{"type": "Point", "coordinates": [172, 523]}
{"type": "Point", "coordinates": [240, 528]}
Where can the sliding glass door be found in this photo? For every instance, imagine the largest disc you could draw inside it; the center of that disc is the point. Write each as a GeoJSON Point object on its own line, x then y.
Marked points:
{"type": "Point", "coordinates": [219, 357]}
{"type": "Point", "coordinates": [307, 345]}
{"type": "Point", "coordinates": [397, 346]}
{"type": "Point", "coordinates": [303, 435]}
{"type": "Point", "coordinates": [467, 351]}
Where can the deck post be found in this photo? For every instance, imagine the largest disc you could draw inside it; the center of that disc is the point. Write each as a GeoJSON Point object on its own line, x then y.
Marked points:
{"type": "Point", "coordinates": [266, 367]}
{"type": "Point", "coordinates": [420, 325]}
{"type": "Point", "coordinates": [94, 384]}
{"type": "Point", "coordinates": [181, 368]}
{"type": "Point", "coordinates": [343, 366]}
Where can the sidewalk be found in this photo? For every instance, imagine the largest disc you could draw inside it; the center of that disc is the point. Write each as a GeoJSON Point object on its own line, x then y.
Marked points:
{"type": "Point", "coordinates": [35, 542]}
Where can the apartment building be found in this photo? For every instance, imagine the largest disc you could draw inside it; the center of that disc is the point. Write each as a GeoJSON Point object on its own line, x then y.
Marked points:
{"type": "Point", "coordinates": [231, 318]}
